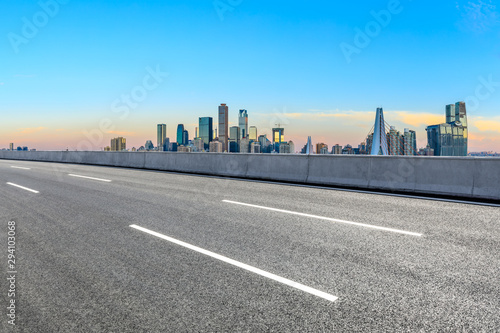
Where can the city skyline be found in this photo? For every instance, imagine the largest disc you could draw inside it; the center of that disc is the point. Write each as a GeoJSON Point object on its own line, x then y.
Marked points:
{"type": "Point", "coordinates": [284, 64]}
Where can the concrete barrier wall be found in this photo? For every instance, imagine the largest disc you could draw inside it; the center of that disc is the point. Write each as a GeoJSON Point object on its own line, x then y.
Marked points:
{"type": "Point", "coordinates": [452, 176]}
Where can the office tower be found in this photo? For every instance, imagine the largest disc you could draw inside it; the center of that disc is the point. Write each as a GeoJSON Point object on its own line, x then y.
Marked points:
{"type": "Point", "coordinates": [206, 130]}
{"type": "Point", "coordinates": [263, 141]}
{"type": "Point", "coordinates": [450, 113]}
{"type": "Point", "coordinates": [410, 142]}
{"type": "Point", "coordinates": [243, 123]}
{"type": "Point", "coordinates": [394, 142]}
{"type": "Point", "coordinates": [255, 148]}
{"type": "Point", "coordinates": [379, 138]}
{"type": "Point", "coordinates": [252, 133]}
{"type": "Point", "coordinates": [196, 132]}
{"type": "Point", "coordinates": [173, 146]}
{"type": "Point", "coordinates": [244, 145]}
{"type": "Point", "coordinates": [161, 134]}
{"type": "Point", "coordinates": [234, 134]}
{"type": "Point", "coordinates": [180, 134]}
{"type": "Point", "coordinates": [278, 135]}
{"type": "Point", "coordinates": [166, 144]}
{"type": "Point", "coordinates": [450, 138]}
{"type": "Point", "coordinates": [185, 138]}
{"type": "Point", "coordinates": [337, 149]}
{"type": "Point", "coordinates": [223, 126]}
{"type": "Point", "coordinates": [461, 116]}
{"type": "Point", "coordinates": [215, 146]}
{"type": "Point", "coordinates": [11, 146]}
{"type": "Point", "coordinates": [118, 144]}
{"type": "Point", "coordinates": [320, 146]}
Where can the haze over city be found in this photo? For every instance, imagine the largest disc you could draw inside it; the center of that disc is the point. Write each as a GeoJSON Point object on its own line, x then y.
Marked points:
{"type": "Point", "coordinates": [317, 69]}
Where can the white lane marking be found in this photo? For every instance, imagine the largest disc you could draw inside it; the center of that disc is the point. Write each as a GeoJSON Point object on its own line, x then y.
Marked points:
{"type": "Point", "coordinates": [22, 187]}
{"type": "Point", "coordinates": [17, 167]}
{"type": "Point", "coordinates": [328, 219]}
{"type": "Point", "coordinates": [249, 268]}
{"type": "Point", "coordinates": [99, 179]}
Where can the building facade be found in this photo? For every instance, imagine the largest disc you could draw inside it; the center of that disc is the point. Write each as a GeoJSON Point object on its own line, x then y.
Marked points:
{"type": "Point", "coordinates": [224, 125]}
{"type": "Point", "coordinates": [206, 130]}
{"type": "Point", "coordinates": [161, 135]}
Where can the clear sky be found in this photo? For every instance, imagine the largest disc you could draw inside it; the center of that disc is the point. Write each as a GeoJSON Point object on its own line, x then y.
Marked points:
{"type": "Point", "coordinates": [319, 68]}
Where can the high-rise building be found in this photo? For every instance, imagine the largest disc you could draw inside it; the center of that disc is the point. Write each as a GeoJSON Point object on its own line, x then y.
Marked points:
{"type": "Point", "coordinates": [287, 148]}
{"type": "Point", "coordinates": [461, 116]}
{"type": "Point", "coordinates": [185, 138]}
{"type": "Point", "coordinates": [450, 113]}
{"type": "Point", "coordinates": [224, 125]}
{"type": "Point", "coordinates": [320, 146]}
{"type": "Point", "coordinates": [243, 123]}
{"type": "Point", "coordinates": [234, 134]}
{"type": "Point", "coordinates": [337, 149]}
{"type": "Point", "coordinates": [166, 144]}
{"type": "Point", "coordinates": [161, 134]}
{"type": "Point", "coordinates": [11, 146]}
{"type": "Point", "coordinates": [252, 133]}
{"type": "Point", "coordinates": [118, 144]}
{"type": "Point", "coordinates": [206, 130]}
{"type": "Point", "coordinates": [450, 138]}
{"type": "Point", "coordinates": [278, 135]}
{"type": "Point", "coordinates": [180, 134]}
{"type": "Point", "coordinates": [394, 142]}
{"type": "Point", "coordinates": [410, 142]}
{"type": "Point", "coordinates": [196, 132]}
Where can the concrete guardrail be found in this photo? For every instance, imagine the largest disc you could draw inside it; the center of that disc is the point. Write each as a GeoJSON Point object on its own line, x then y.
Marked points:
{"type": "Point", "coordinates": [463, 177]}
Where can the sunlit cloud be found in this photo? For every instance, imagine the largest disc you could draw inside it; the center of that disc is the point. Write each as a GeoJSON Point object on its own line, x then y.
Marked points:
{"type": "Point", "coordinates": [31, 130]}
{"type": "Point", "coordinates": [487, 125]}
{"type": "Point", "coordinates": [123, 133]}
{"type": "Point", "coordinates": [417, 119]}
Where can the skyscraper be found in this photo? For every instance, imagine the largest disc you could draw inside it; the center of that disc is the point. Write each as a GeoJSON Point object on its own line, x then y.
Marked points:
{"type": "Point", "coordinates": [118, 144]}
{"type": "Point", "coordinates": [394, 142]}
{"type": "Point", "coordinates": [252, 132]}
{"type": "Point", "coordinates": [180, 134]}
{"type": "Point", "coordinates": [11, 146]}
{"type": "Point", "coordinates": [185, 138]}
{"type": "Point", "coordinates": [278, 135]}
{"type": "Point", "coordinates": [206, 130]}
{"type": "Point", "coordinates": [450, 113]}
{"type": "Point", "coordinates": [161, 134]}
{"type": "Point", "coordinates": [234, 140]}
{"type": "Point", "coordinates": [223, 125]}
{"type": "Point", "coordinates": [243, 122]}
{"type": "Point", "coordinates": [410, 142]}
{"type": "Point", "coordinates": [450, 138]}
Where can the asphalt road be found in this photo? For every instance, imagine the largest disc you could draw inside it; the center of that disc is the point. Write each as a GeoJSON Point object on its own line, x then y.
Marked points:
{"type": "Point", "coordinates": [147, 251]}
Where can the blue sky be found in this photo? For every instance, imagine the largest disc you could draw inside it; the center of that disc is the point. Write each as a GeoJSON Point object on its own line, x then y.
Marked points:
{"type": "Point", "coordinates": [282, 61]}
